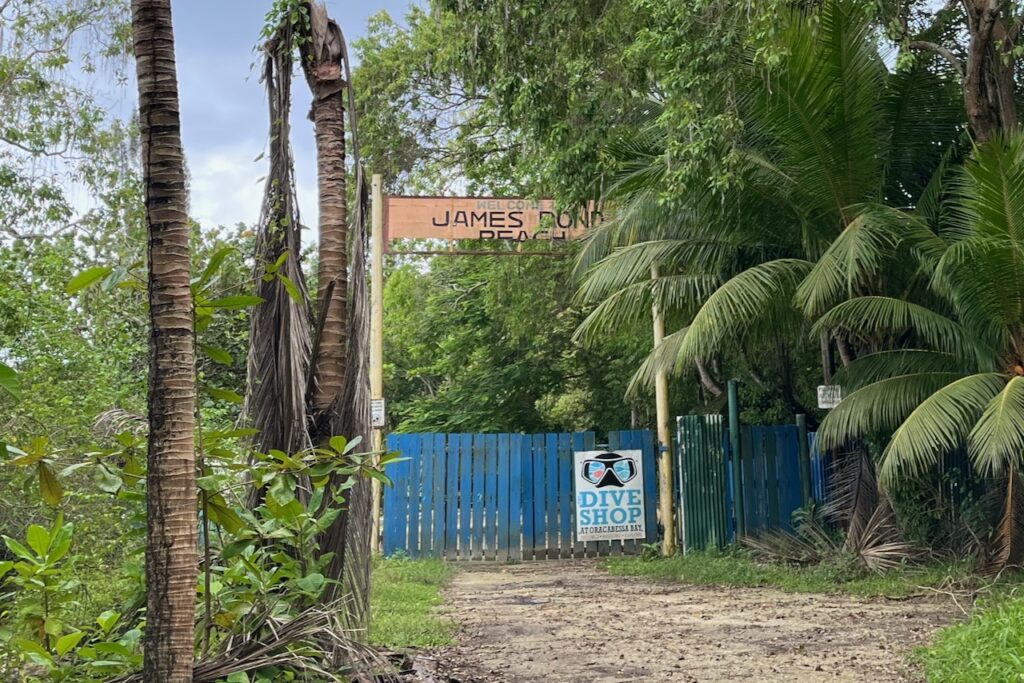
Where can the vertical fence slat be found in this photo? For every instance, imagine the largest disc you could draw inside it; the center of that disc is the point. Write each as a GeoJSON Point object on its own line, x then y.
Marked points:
{"type": "Point", "coordinates": [491, 497]}
{"type": "Point", "coordinates": [771, 466]}
{"type": "Point", "coordinates": [415, 498]}
{"type": "Point", "coordinates": [465, 495]}
{"type": "Point", "coordinates": [539, 498]}
{"type": "Point", "coordinates": [644, 440]}
{"type": "Point", "coordinates": [515, 490]}
{"type": "Point", "coordinates": [451, 496]}
{"type": "Point", "coordinates": [551, 493]}
{"type": "Point", "coordinates": [529, 531]}
{"type": "Point", "coordinates": [565, 503]}
{"type": "Point", "coordinates": [427, 488]}
{"type": "Point", "coordinates": [394, 523]}
{"type": "Point", "coordinates": [579, 549]}
{"type": "Point", "coordinates": [478, 497]}
{"type": "Point", "coordinates": [440, 494]}
{"type": "Point", "coordinates": [504, 484]}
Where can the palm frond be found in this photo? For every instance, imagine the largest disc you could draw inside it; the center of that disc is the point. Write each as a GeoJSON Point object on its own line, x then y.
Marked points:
{"type": "Point", "coordinates": [821, 109]}
{"type": "Point", "coordinates": [869, 316]}
{"type": "Point", "coordinates": [997, 438]}
{"type": "Point", "coordinates": [990, 196]}
{"type": "Point", "coordinates": [984, 279]}
{"type": "Point", "coordinates": [759, 295]}
{"type": "Point", "coordinates": [855, 259]}
{"type": "Point", "coordinates": [938, 425]}
{"type": "Point", "coordinates": [879, 408]}
{"type": "Point", "coordinates": [1010, 534]}
{"type": "Point", "coordinates": [633, 264]}
{"type": "Point", "coordinates": [632, 304]}
{"type": "Point", "coordinates": [875, 367]}
{"type": "Point", "coordinates": [663, 358]}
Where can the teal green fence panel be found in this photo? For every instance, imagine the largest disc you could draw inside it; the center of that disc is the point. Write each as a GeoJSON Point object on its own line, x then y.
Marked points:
{"type": "Point", "coordinates": [769, 479]}
{"type": "Point", "coordinates": [498, 496]}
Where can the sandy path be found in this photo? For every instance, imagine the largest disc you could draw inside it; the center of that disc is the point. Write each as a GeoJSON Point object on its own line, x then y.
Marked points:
{"type": "Point", "coordinates": [570, 621]}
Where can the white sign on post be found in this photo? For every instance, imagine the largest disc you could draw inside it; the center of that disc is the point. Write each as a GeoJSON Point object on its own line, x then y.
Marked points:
{"type": "Point", "coordinates": [829, 396]}
{"type": "Point", "coordinates": [609, 495]}
{"type": "Point", "coordinates": [377, 414]}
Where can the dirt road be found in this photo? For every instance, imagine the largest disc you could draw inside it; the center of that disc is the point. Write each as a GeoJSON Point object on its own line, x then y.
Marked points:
{"type": "Point", "coordinates": [570, 621]}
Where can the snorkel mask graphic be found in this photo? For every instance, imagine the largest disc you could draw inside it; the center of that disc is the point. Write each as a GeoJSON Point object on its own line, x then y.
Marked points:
{"type": "Point", "coordinates": [609, 469]}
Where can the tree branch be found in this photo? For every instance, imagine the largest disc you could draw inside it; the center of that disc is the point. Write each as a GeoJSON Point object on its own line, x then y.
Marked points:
{"type": "Point", "coordinates": [941, 51]}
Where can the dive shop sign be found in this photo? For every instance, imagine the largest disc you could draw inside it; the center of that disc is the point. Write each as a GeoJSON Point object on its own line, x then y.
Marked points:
{"type": "Point", "coordinates": [609, 495]}
{"type": "Point", "coordinates": [482, 218]}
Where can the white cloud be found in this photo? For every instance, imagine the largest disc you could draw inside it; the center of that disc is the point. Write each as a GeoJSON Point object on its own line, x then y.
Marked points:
{"type": "Point", "coordinates": [227, 186]}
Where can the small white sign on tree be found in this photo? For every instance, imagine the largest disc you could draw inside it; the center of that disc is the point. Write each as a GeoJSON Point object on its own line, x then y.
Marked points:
{"type": "Point", "coordinates": [829, 396]}
{"type": "Point", "coordinates": [377, 413]}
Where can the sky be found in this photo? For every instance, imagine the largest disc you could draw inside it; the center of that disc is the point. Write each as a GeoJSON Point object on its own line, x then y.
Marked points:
{"type": "Point", "coordinates": [224, 109]}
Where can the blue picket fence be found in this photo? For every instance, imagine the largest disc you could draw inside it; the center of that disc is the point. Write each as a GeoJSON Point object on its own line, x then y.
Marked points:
{"type": "Point", "coordinates": [498, 496]}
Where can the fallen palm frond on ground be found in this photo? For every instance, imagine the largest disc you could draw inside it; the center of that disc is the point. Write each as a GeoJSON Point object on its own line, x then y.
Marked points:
{"type": "Point", "coordinates": [313, 642]}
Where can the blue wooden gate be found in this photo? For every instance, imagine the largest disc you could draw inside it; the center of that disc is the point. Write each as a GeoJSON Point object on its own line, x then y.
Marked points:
{"type": "Point", "coordinates": [498, 496]}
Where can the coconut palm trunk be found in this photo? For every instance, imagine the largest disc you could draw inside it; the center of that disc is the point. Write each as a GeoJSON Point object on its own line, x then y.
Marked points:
{"type": "Point", "coordinates": [171, 561]}
{"type": "Point", "coordinates": [322, 61]}
{"type": "Point", "coordinates": [340, 397]}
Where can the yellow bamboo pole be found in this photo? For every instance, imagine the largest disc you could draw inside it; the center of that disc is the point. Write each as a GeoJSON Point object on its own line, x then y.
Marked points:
{"type": "Point", "coordinates": [666, 501]}
{"type": "Point", "coordinates": [377, 335]}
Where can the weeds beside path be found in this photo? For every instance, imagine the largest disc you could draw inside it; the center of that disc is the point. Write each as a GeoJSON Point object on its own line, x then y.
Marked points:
{"type": "Point", "coordinates": [406, 602]}
{"type": "Point", "coordinates": [737, 569]}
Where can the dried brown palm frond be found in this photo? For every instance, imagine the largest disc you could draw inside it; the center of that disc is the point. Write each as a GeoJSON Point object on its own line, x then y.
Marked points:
{"type": "Point", "coordinates": [880, 546]}
{"type": "Point", "coordinates": [854, 494]}
{"type": "Point", "coordinates": [279, 327]}
{"type": "Point", "coordinates": [810, 542]}
{"type": "Point", "coordinates": [313, 642]}
{"type": "Point", "coordinates": [788, 548]}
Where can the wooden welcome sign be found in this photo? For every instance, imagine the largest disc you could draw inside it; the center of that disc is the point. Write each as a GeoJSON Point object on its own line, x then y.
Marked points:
{"type": "Point", "coordinates": [482, 218]}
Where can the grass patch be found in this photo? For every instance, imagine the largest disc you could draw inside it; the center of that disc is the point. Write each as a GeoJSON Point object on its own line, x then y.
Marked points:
{"type": "Point", "coordinates": [989, 647]}
{"type": "Point", "coordinates": [738, 569]}
{"type": "Point", "coordinates": [404, 600]}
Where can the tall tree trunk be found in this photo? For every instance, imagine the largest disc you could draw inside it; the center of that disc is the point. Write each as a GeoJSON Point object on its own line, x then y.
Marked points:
{"type": "Point", "coordinates": [340, 401]}
{"type": "Point", "coordinates": [322, 58]}
{"type": "Point", "coordinates": [171, 556]}
{"type": "Point", "coordinates": [989, 75]}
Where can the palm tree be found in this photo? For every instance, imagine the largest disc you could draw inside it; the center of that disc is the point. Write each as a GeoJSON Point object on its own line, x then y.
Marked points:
{"type": "Point", "coordinates": [948, 369]}
{"type": "Point", "coordinates": [171, 556]}
{"type": "Point", "coordinates": [833, 142]}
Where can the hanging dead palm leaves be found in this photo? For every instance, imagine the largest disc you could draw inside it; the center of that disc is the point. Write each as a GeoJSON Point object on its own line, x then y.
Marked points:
{"type": "Point", "coordinates": [304, 390]}
{"type": "Point", "coordinates": [279, 327]}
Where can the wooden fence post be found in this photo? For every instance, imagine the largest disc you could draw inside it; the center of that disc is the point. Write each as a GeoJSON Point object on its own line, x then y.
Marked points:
{"type": "Point", "coordinates": [737, 457]}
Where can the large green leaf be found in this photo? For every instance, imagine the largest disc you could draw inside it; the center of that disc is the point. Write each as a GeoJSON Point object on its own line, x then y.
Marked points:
{"type": "Point", "coordinates": [757, 298]}
{"type": "Point", "coordinates": [938, 425]}
{"type": "Point", "coordinates": [86, 278]}
{"type": "Point", "coordinates": [9, 381]}
{"type": "Point", "coordinates": [998, 437]}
